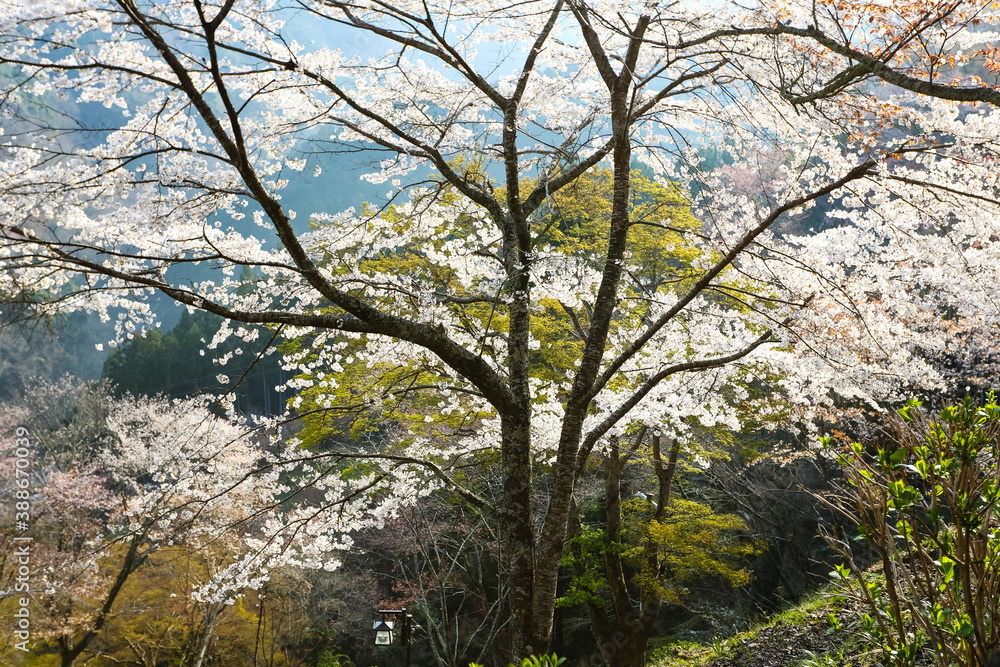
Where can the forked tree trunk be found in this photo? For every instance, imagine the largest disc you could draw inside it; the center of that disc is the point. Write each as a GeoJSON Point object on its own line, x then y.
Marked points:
{"type": "Point", "coordinates": [623, 635]}
{"type": "Point", "coordinates": [572, 450]}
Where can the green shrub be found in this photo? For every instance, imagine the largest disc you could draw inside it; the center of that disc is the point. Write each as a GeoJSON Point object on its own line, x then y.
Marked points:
{"type": "Point", "coordinates": [328, 659]}
{"type": "Point", "coordinates": [927, 505]}
{"type": "Point", "coordinates": [535, 661]}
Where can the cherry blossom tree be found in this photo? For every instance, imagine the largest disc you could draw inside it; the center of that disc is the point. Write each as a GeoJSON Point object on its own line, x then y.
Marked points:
{"type": "Point", "coordinates": [220, 116]}
{"type": "Point", "coordinates": [169, 477]}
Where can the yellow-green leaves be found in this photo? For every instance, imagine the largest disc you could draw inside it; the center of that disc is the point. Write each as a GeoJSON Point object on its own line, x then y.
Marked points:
{"type": "Point", "coordinates": [695, 542]}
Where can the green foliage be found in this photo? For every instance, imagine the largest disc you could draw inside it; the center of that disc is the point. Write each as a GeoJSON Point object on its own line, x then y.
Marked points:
{"type": "Point", "coordinates": [693, 542]}
{"type": "Point", "coordinates": [820, 660]}
{"type": "Point", "coordinates": [328, 659]}
{"type": "Point", "coordinates": [584, 556]}
{"type": "Point", "coordinates": [927, 504]}
{"type": "Point", "coordinates": [534, 661]}
{"type": "Point", "coordinates": [578, 221]}
{"type": "Point", "coordinates": [719, 648]}
{"type": "Point", "coordinates": [166, 363]}
{"type": "Point", "coordinates": [833, 621]}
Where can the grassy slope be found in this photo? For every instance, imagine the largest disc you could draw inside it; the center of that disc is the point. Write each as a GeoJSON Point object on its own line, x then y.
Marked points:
{"type": "Point", "coordinates": [822, 631]}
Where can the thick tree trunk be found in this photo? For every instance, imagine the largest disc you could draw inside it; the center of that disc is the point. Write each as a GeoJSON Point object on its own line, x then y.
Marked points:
{"type": "Point", "coordinates": [517, 531]}
{"type": "Point", "coordinates": [554, 532]}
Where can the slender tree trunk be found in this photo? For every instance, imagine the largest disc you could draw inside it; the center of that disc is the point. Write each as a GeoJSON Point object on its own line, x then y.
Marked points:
{"type": "Point", "coordinates": [68, 653]}
{"type": "Point", "coordinates": [206, 639]}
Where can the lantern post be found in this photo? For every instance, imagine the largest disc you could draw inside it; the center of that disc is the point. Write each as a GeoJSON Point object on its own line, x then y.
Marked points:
{"type": "Point", "coordinates": [384, 629]}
